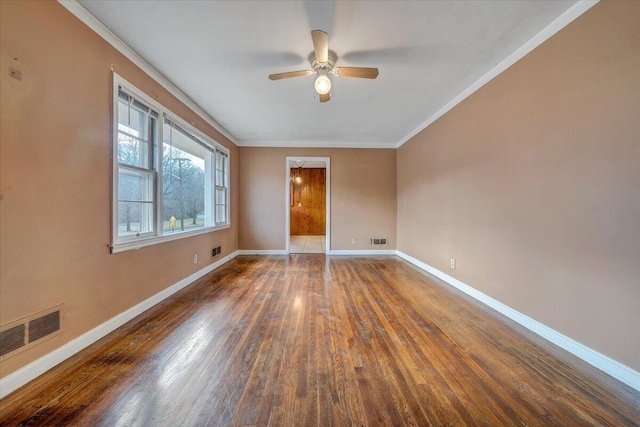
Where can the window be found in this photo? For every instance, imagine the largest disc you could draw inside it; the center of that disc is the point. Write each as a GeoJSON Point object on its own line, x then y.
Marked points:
{"type": "Point", "coordinates": [186, 171]}
{"type": "Point", "coordinates": [170, 181]}
{"type": "Point", "coordinates": [222, 191]}
{"type": "Point", "coordinates": [136, 177]}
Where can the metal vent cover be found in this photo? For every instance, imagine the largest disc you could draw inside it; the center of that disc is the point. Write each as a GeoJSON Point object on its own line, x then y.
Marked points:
{"type": "Point", "coordinates": [24, 333]}
{"type": "Point", "coordinates": [44, 325]}
{"type": "Point", "coordinates": [12, 339]}
{"type": "Point", "coordinates": [379, 241]}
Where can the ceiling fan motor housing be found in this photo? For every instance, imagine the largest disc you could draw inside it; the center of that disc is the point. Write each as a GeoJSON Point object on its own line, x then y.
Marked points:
{"type": "Point", "coordinates": [331, 61]}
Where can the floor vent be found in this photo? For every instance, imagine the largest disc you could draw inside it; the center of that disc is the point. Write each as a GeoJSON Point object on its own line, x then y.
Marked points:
{"type": "Point", "coordinates": [28, 331]}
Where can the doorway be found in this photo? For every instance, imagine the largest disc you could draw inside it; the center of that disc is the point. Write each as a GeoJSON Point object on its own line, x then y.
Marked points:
{"type": "Point", "coordinates": [308, 205]}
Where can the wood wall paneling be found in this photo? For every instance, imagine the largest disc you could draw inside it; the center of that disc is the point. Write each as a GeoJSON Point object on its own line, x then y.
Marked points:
{"type": "Point", "coordinates": [308, 208]}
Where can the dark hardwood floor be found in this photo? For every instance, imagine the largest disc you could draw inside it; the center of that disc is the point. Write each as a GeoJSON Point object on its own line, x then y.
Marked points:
{"type": "Point", "coordinates": [316, 340]}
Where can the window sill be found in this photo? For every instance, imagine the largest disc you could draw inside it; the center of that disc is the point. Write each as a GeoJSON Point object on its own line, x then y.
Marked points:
{"type": "Point", "coordinates": [141, 243]}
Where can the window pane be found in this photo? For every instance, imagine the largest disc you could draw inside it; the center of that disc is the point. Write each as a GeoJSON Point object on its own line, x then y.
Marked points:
{"type": "Point", "coordinates": [221, 169]}
{"type": "Point", "coordinates": [221, 196]}
{"type": "Point", "coordinates": [183, 189]}
{"type": "Point", "coordinates": [135, 202]}
{"type": "Point", "coordinates": [134, 128]}
{"type": "Point", "coordinates": [219, 161]}
{"type": "Point", "coordinates": [132, 151]}
{"type": "Point", "coordinates": [135, 185]}
{"type": "Point", "coordinates": [221, 205]}
{"type": "Point", "coordinates": [221, 214]}
{"type": "Point", "coordinates": [134, 217]}
{"type": "Point", "coordinates": [221, 187]}
{"type": "Point", "coordinates": [132, 120]}
{"type": "Point", "coordinates": [178, 139]}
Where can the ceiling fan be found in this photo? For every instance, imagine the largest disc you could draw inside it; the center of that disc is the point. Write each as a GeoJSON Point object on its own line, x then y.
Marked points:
{"type": "Point", "coordinates": [323, 61]}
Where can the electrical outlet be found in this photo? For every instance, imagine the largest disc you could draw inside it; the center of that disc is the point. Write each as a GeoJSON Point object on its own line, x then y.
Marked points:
{"type": "Point", "coordinates": [195, 259]}
{"type": "Point", "coordinates": [453, 263]}
{"type": "Point", "coordinates": [354, 241]}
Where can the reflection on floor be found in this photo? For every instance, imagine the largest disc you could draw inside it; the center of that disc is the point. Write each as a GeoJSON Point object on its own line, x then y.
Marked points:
{"type": "Point", "coordinates": [307, 244]}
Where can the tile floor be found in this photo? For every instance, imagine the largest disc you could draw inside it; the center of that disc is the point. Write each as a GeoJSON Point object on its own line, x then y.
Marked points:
{"type": "Point", "coordinates": [307, 244]}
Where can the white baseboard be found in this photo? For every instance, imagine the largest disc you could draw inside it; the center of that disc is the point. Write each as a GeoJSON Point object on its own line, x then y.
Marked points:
{"type": "Point", "coordinates": [612, 367]}
{"type": "Point", "coordinates": [333, 252]}
{"type": "Point", "coordinates": [362, 252]}
{"type": "Point", "coordinates": [36, 368]}
{"type": "Point", "coordinates": [262, 252]}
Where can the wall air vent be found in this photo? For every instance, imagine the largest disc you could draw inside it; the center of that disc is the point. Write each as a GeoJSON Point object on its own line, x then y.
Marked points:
{"type": "Point", "coordinates": [12, 339]}
{"type": "Point", "coordinates": [29, 331]}
{"type": "Point", "coordinates": [379, 241]}
{"type": "Point", "coordinates": [44, 325]}
{"type": "Point", "coordinates": [216, 251]}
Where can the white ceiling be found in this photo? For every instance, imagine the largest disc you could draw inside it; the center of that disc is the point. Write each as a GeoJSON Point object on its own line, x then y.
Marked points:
{"type": "Point", "coordinates": [219, 53]}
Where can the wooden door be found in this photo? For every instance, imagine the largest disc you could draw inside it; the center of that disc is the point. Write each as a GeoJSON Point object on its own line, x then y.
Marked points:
{"type": "Point", "coordinates": [308, 207]}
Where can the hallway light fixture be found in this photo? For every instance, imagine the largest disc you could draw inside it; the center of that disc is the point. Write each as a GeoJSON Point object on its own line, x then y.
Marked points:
{"type": "Point", "coordinates": [296, 178]}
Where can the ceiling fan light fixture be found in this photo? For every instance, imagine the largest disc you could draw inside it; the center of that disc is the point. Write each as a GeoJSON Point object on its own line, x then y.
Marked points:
{"type": "Point", "coordinates": [323, 61]}
{"type": "Point", "coordinates": [323, 85]}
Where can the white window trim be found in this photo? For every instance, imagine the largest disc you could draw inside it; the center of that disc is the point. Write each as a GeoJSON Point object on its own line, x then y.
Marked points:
{"type": "Point", "coordinates": [143, 241]}
{"type": "Point", "coordinates": [150, 241]}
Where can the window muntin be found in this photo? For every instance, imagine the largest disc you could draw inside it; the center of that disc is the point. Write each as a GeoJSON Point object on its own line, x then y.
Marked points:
{"type": "Point", "coordinates": [153, 153]}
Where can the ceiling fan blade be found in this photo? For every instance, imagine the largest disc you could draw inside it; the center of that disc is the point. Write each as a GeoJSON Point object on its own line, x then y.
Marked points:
{"type": "Point", "coordinates": [360, 72]}
{"type": "Point", "coordinates": [326, 97]}
{"type": "Point", "coordinates": [320, 45]}
{"type": "Point", "coordinates": [290, 74]}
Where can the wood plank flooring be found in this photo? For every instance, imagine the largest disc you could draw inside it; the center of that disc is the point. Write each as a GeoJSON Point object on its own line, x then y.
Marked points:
{"type": "Point", "coordinates": [316, 340]}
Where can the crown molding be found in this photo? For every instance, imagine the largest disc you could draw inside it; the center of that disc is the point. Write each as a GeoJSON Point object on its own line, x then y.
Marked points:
{"type": "Point", "coordinates": [316, 144]}
{"type": "Point", "coordinates": [559, 23]}
{"type": "Point", "coordinates": [92, 22]}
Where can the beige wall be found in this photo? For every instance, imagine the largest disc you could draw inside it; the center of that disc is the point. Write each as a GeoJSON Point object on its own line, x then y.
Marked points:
{"type": "Point", "coordinates": [533, 185]}
{"type": "Point", "coordinates": [363, 196]}
{"type": "Point", "coordinates": [55, 177]}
